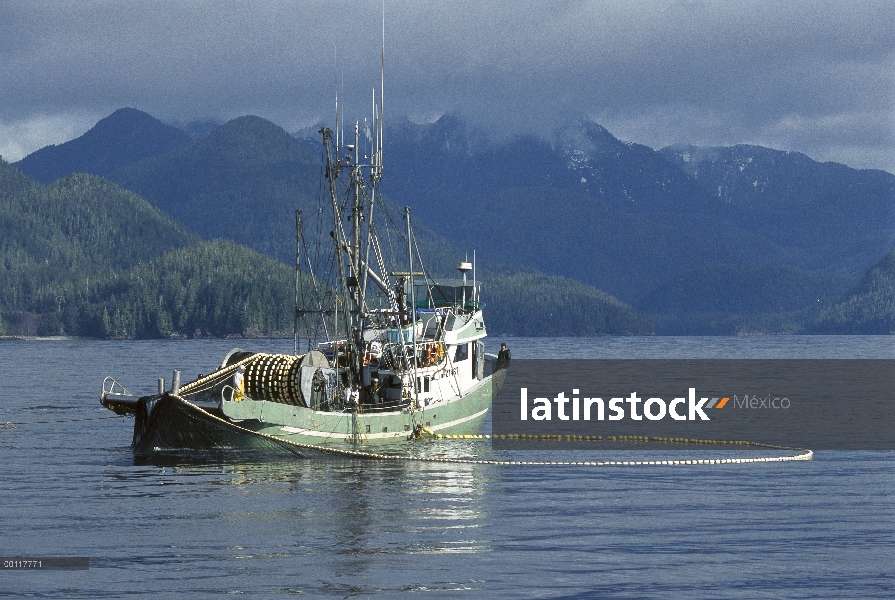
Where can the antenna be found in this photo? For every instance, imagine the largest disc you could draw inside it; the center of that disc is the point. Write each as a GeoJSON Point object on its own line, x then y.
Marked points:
{"type": "Point", "coordinates": [376, 130]}
{"type": "Point", "coordinates": [382, 86]}
{"type": "Point", "coordinates": [336, 83]}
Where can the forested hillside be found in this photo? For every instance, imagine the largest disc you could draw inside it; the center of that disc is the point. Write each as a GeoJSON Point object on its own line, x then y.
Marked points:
{"type": "Point", "coordinates": [528, 303]}
{"type": "Point", "coordinates": [723, 300]}
{"type": "Point", "coordinates": [85, 257]}
{"type": "Point", "coordinates": [215, 288]}
{"type": "Point", "coordinates": [869, 308]}
{"type": "Point", "coordinates": [55, 238]}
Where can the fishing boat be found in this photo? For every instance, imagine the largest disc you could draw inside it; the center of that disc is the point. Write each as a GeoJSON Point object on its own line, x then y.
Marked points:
{"type": "Point", "coordinates": [390, 354]}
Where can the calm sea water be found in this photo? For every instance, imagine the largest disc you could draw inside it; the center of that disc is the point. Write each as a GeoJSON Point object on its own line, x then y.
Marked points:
{"type": "Point", "coordinates": [353, 528]}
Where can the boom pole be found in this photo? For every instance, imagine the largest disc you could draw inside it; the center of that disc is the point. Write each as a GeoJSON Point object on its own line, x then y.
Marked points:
{"type": "Point", "coordinates": [295, 323]}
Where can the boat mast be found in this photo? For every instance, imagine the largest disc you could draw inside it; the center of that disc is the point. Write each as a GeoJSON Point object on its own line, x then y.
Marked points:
{"type": "Point", "coordinates": [352, 282]}
{"type": "Point", "coordinates": [357, 342]}
{"type": "Point", "coordinates": [297, 282]}
{"type": "Point", "coordinates": [416, 387]}
{"type": "Point", "coordinates": [375, 174]}
{"type": "Point", "coordinates": [342, 297]}
{"type": "Point", "coordinates": [376, 129]}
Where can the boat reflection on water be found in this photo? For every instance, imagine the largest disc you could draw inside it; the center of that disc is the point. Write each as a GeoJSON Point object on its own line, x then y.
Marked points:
{"type": "Point", "coordinates": [339, 506]}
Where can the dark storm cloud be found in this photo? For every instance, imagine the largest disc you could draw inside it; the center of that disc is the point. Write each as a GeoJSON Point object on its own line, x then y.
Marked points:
{"type": "Point", "coordinates": [817, 77]}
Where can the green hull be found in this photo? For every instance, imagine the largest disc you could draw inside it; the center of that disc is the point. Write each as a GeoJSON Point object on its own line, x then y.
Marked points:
{"type": "Point", "coordinates": [169, 424]}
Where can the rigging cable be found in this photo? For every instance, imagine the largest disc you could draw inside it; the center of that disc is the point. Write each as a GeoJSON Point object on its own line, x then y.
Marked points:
{"type": "Point", "coordinates": [803, 453]}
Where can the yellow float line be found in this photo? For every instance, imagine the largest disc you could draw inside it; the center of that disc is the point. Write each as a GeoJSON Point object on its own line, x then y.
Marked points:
{"type": "Point", "coordinates": [588, 438]}
{"type": "Point", "coordinates": [804, 454]}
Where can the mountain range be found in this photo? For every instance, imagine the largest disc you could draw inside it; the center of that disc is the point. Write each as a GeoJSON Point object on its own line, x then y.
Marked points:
{"type": "Point", "coordinates": [242, 181]}
{"type": "Point", "coordinates": [701, 240]}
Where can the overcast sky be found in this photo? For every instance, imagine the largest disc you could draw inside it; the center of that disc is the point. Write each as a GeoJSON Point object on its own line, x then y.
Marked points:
{"type": "Point", "coordinates": [816, 77]}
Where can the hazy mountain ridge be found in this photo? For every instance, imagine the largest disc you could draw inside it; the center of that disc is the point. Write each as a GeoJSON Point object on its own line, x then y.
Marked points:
{"type": "Point", "coordinates": [243, 181]}
{"type": "Point", "coordinates": [631, 220]}
{"type": "Point", "coordinates": [256, 172]}
{"type": "Point", "coordinates": [619, 216]}
{"type": "Point", "coordinates": [836, 217]}
{"type": "Point", "coordinates": [124, 137]}
{"type": "Point", "coordinates": [223, 184]}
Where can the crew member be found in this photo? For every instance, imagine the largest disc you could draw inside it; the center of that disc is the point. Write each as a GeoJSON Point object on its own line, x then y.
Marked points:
{"type": "Point", "coordinates": [503, 358]}
{"type": "Point", "coordinates": [374, 393]}
{"type": "Point", "coordinates": [239, 384]}
{"type": "Point", "coordinates": [352, 396]}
